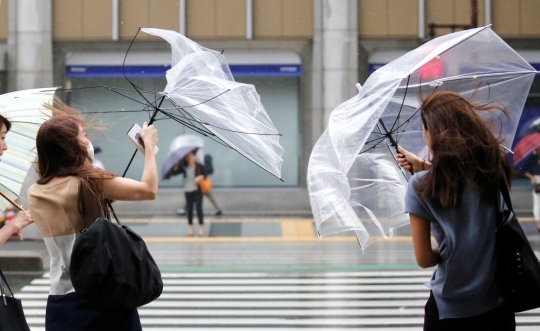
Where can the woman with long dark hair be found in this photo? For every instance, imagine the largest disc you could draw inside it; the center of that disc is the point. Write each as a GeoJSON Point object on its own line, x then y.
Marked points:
{"type": "Point", "coordinates": [454, 196]}
{"type": "Point", "coordinates": [67, 199]}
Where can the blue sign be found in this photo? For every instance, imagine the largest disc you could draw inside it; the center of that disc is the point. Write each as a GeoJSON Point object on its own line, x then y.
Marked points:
{"type": "Point", "coordinates": [118, 71]}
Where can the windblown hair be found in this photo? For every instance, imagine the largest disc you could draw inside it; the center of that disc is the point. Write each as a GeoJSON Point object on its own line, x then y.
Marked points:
{"type": "Point", "coordinates": [5, 122]}
{"type": "Point", "coordinates": [464, 149]}
{"type": "Point", "coordinates": [60, 154]}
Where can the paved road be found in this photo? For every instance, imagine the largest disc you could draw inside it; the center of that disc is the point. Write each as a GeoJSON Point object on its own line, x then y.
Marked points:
{"type": "Point", "coordinates": [290, 280]}
{"type": "Point", "coordinates": [367, 300]}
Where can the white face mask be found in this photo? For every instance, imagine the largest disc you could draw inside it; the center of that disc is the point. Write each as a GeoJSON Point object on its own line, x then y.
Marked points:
{"type": "Point", "coordinates": [90, 149]}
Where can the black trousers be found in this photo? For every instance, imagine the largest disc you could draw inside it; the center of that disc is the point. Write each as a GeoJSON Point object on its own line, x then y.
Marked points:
{"type": "Point", "coordinates": [70, 312]}
{"type": "Point", "coordinates": [192, 198]}
{"type": "Point", "coordinates": [499, 319]}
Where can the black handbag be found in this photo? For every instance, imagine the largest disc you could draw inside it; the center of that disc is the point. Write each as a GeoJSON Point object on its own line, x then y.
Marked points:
{"type": "Point", "coordinates": [11, 311]}
{"type": "Point", "coordinates": [536, 188]}
{"type": "Point", "coordinates": [112, 267]}
{"type": "Point", "coordinates": [518, 267]}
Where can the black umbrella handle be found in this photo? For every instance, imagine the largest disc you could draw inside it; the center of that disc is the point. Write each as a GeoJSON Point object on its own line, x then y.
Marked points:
{"type": "Point", "coordinates": [392, 141]}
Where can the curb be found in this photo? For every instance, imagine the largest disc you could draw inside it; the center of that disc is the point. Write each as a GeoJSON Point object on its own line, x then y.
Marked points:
{"type": "Point", "coordinates": [24, 260]}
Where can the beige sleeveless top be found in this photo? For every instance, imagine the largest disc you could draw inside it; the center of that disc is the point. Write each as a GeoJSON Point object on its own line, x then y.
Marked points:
{"type": "Point", "coordinates": [54, 208]}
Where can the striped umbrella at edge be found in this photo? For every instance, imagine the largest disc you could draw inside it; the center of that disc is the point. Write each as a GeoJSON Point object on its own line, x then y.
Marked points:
{"type": "Point", "coordinates": [25, 110]}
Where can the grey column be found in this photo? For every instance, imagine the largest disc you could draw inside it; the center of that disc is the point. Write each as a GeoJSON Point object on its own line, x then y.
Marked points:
{"type": "Point", "coordinates": [29, 44]}
{"type": "Point", "coordinates": [335, 53]}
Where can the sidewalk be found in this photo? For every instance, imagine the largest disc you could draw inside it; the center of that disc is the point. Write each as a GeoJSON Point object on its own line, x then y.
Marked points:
{"type": "Point", "coordinates": [32, 256]}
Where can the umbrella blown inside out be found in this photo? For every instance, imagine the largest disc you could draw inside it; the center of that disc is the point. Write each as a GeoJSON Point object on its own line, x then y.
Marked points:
{"type": "Point", "coordinates": [207, 99]}
{"type": "Point", "coordinates": [353, 179]}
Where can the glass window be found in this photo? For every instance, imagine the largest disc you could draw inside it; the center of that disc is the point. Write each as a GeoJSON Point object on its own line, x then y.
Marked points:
{"type": "Point", "coordinates": [279, 96]}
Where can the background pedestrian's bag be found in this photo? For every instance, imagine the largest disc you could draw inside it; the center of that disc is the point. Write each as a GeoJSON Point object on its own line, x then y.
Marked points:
{"type": "Point", "coordinates": [536, 188]}
{"type": "Point", "coordinates": [11, 311]}
{"type": "Point", "coordinates": [112, 267]}
{"type": "Point", "coordinates": [208, 165]}
{"type": "Point", "coordinates": [206, 185]}
{"type": "Point", "coordinates": [518, 267]}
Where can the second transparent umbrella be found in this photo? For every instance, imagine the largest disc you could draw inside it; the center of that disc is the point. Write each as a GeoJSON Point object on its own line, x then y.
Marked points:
{"type": "Point", "coordinates": [354, 181]}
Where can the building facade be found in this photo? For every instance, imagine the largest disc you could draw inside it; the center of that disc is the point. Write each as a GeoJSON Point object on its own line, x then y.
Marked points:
{"type": "Point", "coordinates": [303, 56]}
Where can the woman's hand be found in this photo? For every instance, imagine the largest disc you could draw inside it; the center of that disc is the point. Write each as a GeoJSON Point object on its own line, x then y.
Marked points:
{"type": "Point", "coordinates": [149, 135]}
{"type": "Point", "coordinates": [531, 177]}
{"type": "Point", "coordinates": [198, 179]}
{"type": "Point", "coordinates": [408, 160]}
{"type": "Point", "coordinates": [119, 188]}
{"type": "Point", "coordinates": [22, 220]}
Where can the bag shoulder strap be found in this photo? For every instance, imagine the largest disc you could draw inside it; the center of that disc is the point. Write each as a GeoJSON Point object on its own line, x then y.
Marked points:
{"type": "Point", "coordinates": [3, 281]}
{"type": "Point", "coordinates": [506, 195]}
{"type": "Point", "coordinates": [100, 210]}
{"type": "Point", "coordinates": [109, 203]}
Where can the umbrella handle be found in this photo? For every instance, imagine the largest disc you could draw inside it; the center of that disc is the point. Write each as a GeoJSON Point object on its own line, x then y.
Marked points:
{"type": "Point", "coordinates": [16, 205]}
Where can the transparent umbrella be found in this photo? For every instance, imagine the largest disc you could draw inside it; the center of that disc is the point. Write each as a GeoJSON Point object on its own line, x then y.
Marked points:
{"type": "Point", "coordinates": [25, 110]}
{"type": "Point", "coordinates": [354, 181]}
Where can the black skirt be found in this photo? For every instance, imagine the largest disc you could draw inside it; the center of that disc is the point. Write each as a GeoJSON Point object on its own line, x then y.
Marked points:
{"type": "Point", "coordinates": [70, 312]}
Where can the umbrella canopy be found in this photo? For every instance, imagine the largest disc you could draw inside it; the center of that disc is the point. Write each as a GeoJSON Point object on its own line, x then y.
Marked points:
{"type": "Point", "coordinates": [26, 112]}
{"type": "Point", "coordinates": [179, 148]}
{"type": "Point", "coordinates": [186, 140]}
{"type": "Point", "coordinates": [172, 158]}
{"type": "Point", "coordinates": [201, 87]}
{"type": "Point", "coordinates": [354, 181]}
{"type": "Point", "coordinates": [526, 146]}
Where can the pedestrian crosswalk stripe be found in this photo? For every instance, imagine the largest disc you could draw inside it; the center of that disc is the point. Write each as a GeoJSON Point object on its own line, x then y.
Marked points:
{"type": "Point", "coordinates": [277, 288]}
{"type": "Point", "coordinates": [370, 300]}
{"type": "Point", "coordinates": [283, 281]}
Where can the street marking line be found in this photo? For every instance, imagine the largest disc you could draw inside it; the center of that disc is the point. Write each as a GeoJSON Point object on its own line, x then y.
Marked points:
{"type": "Point", "coordinates": [289, 238]}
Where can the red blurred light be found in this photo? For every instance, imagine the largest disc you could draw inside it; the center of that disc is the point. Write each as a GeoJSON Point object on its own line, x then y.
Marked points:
{"type": "Point", "coordinates": [432, 69]}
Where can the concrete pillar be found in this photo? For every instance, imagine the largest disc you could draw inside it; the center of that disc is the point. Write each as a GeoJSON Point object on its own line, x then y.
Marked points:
{"type": "Point", "coordinates": [30, 62]}
{"type": "Point", "coordinates": [335, 52]}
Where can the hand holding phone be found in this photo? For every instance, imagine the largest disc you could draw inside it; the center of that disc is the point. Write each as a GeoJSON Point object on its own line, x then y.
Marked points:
{"type": "Point", "coordinates": [134, 135]}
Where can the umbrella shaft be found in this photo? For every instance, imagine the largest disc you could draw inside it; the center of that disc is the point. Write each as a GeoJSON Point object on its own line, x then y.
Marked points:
{"type": "Point", "coordinates": [11, 201]}
{"type": "Point", "coordinates": [388, 135]}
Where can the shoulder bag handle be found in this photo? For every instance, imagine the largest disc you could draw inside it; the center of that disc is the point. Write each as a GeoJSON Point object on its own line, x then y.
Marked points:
{"type": "Point", "coordinates": [3, 281]}
{"type": "Point", "coordinates": [101, 211]}
{"type": "Point", "coordinates": [112, 211]}
{"type": "Point", "coordinates": [506, 195]}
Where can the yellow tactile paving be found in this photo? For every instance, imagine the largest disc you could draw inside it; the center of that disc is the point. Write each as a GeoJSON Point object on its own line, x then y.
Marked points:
{"type": "Point", "coordinates": [292, 229]}
{"type": "Point", "coordinates": [288, 229]}
{"type": "Point", "coordinates": [305, 229]}
{"type": "Point", "coordinates": [300, 229]}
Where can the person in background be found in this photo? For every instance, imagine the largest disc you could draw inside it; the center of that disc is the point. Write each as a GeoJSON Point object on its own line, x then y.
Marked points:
{"type": "Point", "coordinates": [209, 169]}
{"type": "Point", "coordinates": [66, 200]}
{"type": "Point", "coordinates": [193, 173]}
{"type": "Point", "coordinates": [532, 171]}
{"type": "Point", "coordinates": [23, 218]}
{"type": "Point", "coordinates": [455, 197]}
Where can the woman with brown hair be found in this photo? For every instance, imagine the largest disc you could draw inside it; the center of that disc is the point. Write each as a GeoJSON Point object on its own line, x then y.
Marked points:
{"type": "Point", "coordinates": [454, 196]}
{"type": "Point", "coordinates": [66, 200]}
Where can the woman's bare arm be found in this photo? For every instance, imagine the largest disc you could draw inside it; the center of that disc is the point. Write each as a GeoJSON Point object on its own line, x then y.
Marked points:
{"type": "Point", "coordinates": [120, 188]}
{"type": "Point", "coordinates": [426, 256]}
